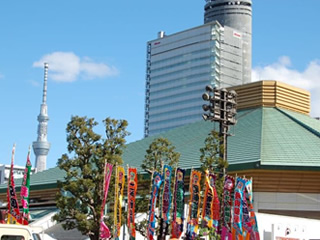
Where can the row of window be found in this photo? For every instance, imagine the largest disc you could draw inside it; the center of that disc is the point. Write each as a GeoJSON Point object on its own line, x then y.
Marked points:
{"type": "Point", "coordinates": [214, 5]}
{"type": "Point", "coordinates": [166, 106]}
{"type": "Point", "coordinates": [195, 68]}
{"type": "Point", "coordinates": [177, 96]}
{"type": "Point", "coordinates": [170, 66]}
{"type": "Point", "coordinates": [168, 113]}
{"type": "Point", "coordinates": [205, 50]}
{"type": "Point", "coordinates": [174, 122]}
{"type": "Point", "coordinates": [180, 86]}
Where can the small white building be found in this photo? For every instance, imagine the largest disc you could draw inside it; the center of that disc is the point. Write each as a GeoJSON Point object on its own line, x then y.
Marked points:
{"type": "Point", "coordinates": [17, 172]}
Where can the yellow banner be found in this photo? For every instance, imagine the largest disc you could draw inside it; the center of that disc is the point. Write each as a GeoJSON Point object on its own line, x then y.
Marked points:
{"type": "Point", "coordinates": [119, 184]}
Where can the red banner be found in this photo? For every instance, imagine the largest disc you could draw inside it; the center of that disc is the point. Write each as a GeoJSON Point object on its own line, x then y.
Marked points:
{"type": "Point", "coordinates": [211, 204]}
{"type": "Point", "coordinates": [13, 206]}
{"type": "Point", "coordinates": [132, 191]}
{"type": "Point", "coordinates": [227, 206]}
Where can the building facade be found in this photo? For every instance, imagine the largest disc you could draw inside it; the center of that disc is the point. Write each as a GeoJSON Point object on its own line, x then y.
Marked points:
{"type": "Point", "coordinates": [237, 15]}
{"type": "Point", "coordinates": [180, 65]}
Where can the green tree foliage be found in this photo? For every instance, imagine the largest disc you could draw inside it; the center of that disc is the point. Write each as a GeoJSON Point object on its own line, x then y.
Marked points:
{"type": "Point", "coordinates": [81, 196]}
{"type": "Point", "coordinates": [210, 158]}
{"type": "Point", "coordinates": [159, 153]}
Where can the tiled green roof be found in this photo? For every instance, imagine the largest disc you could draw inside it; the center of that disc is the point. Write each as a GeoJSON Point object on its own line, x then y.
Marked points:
{"type": "Point", "coordinates": [290, 139]}
{"type": "Point", "coordinates": [190, 138]}
{"type": "Point", "coordinates": [310, 123]}
{"type": "Point", "coordinates": [267, 136]}
{"type": "Point", "coordinates": [263, 137]}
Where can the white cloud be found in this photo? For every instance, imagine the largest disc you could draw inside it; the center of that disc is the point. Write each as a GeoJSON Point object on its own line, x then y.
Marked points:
{"type": "Point", "coordinates": [68, 67]}
{"type": "Point", "coordinates": [1, 76]}
{"type": "Point", "coordinates": [309, 79]}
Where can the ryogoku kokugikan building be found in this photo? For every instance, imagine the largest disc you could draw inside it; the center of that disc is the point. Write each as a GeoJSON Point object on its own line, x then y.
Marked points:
{"type": "Point", "coordinates": [275, 141]}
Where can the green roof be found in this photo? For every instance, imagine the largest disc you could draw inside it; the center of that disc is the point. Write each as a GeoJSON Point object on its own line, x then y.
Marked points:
{"type": "Point", "coordinates": [263, 137]}
{"type": "Point", "coordinates": [290, 139]}
{"type": "Point", "coordinates": [267, 136]}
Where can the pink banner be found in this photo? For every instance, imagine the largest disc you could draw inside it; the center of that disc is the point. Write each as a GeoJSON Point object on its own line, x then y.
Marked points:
{"type": "Point", "coordinates": [104, 230]}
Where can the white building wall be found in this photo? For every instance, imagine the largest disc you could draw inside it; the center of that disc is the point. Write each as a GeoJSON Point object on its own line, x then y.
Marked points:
{"type": "Point", "coordinates": [275, 227]}
{"type": "Point", "coordinates": [286, 201]}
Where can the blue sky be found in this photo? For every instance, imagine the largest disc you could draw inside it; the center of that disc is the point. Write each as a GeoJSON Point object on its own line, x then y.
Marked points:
{"type": "Point", "coordinates": [98, 54]}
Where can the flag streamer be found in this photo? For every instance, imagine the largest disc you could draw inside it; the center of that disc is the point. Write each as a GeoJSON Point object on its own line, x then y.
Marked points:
{"type": "Point", "coordinates": [25, 191]}
{"type": "Point", "coordinates": [227, 206]}
{"type": "Point", "coordinates": [254, 234]}
{"type": "Point", "coordinates": [104, 230]}
{"type": "Point", "coordinates": [237, 208]}
{"type": "Point", "coordinates": [178, 204]}
{"type": "Point", "coordinates": [14, 216]}
{"type": "Point", "coordinates": [194, 205]}
{"type": "Point", "coordinates": [120, 173]}
{"type": "Point", "coordinates": [132, 191]}
{"type": "Point", "coordinates": [246, 223]}
{"type": "Point", "coordinates": [157, 180]}
{"type": "Point", "coordinates": [165, 202]}
{"type": "Point", "coordinates": [166, 194]}
{"type": "Point", "coordinates": [211, 203]}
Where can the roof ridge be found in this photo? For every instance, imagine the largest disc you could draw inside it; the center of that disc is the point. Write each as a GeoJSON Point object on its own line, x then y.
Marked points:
{"type": "Point", "coordinates": [310, 129]}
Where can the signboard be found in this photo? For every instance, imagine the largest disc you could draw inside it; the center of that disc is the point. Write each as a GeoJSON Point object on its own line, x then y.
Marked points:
{"type": "Point", "coordinates": [282, 231]}
{"type": "Point", "coordinates": [236, 34]}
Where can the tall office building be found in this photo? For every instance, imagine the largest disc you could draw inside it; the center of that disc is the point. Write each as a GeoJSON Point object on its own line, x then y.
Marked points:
{"type": "Point", "coordinates": [180, 65]}
{"type": "Point", "coordinates": [41, 146]}
{"type": "Point", "coordinates": [237, 15]}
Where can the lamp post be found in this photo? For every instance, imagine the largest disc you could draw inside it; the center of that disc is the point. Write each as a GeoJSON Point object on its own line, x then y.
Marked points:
{"type": "Point", "coordinates": [221, 107]}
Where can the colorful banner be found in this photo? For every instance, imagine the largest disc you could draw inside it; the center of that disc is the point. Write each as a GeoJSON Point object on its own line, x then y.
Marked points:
{"type": "Point", "coordinates": [246, 223]}
{"type": "Point", "coordinates": [227, 206]}
{"type": "Point", "coordinates": [25, 191]}
{"type": "Point", "coordinates": [165, 202]}
{"type": "Point", "coordinates": [239, 192]}
{"type": "Point", "coordinates": [216, 210]}
{"type": "Point", "coordinates": [211, 203]}
{"type": "Point", "coordinates": [254, 235]}
{"type": "Point", "coordinates": [156, 183]}
{"type": "Point", "coordinates": [120, 174]}
{"type": "Point", "coordinates": [13, 206]}
{"type": "Point", "coordinates": [166, 194]}
{"type": "Point", "coordinates": [132, 191]}
{"type": "Point", "coordinates": [194, 205]}
{"type": "Point", "coordinates": [178, 204]}
{"type": "Point", "coordinates": [104, 230]}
